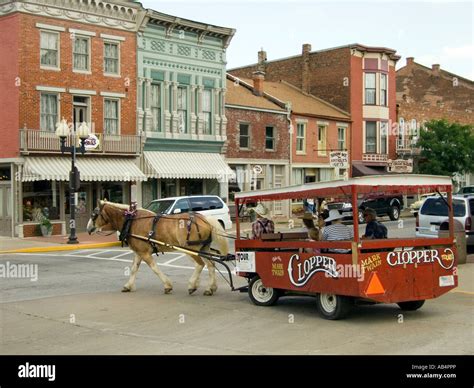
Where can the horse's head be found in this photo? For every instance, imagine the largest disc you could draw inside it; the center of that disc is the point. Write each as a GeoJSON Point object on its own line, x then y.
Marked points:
{"type": "Point", "coordinates": [99, 219]}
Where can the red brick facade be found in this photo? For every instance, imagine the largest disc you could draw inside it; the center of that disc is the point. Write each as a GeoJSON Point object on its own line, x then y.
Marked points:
{"type": "Point", "coordinates": [21, 35]}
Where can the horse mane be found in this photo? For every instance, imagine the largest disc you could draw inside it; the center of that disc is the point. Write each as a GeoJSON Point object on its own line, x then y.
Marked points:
{"type": "Point", "coordinates": [123, 206]}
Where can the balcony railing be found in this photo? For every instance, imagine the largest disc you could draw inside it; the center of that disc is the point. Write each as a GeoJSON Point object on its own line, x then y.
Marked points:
{"type": "Point", "coordinates": [407, 146]}
{"type": "Point", "coordinates": [374, 157]}
{"type": "Point", "coordinates": [34, 141]}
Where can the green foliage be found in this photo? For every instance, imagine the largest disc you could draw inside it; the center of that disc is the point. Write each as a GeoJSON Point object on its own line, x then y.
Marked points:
{"type": "Point", "coordinates": [446, 148]}
{"type": "Point", "coordinates": [46, 223]}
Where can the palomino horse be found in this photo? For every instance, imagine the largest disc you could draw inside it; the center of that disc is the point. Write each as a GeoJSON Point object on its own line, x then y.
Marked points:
{"type": "Point", "coordinates": [177, 230]}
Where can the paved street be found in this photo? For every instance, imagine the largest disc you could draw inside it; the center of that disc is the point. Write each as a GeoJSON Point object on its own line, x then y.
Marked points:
{"type": "Point", "coordinates": [76, 307]}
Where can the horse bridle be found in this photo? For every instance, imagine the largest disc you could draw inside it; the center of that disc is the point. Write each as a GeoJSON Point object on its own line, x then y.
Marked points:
{"type": "Point", "coordinates": [95, 214]}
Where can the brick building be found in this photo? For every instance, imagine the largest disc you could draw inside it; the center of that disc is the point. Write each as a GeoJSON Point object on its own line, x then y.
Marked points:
{"type": "Point", "coordinates": [258, 140]}
{"type": "Point", "coordinates": [74, 60]}
{"type": "Point", "coordinates": [425, 94]}
{"type": "Point", "coordinates": [355, 78]}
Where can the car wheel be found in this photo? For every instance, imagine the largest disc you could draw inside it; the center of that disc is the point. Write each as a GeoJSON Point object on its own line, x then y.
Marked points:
{"type": "Point", "coordinates": [333, 306]}
{"type": "Point", "coordinates": [361, 217]}
{"type": "Point", "coordinates": [394, 213]}
{"type": "Point", "coordinates": [411, 306]}
{"type": "Point", "coordinates": [261, 295]}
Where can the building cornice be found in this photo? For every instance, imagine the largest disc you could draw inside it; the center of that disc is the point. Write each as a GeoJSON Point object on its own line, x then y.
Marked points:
{"type": "Point", "coordinates": [111, 14]}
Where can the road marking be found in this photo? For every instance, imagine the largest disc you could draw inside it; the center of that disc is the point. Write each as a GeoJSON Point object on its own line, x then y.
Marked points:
{"type": "Point", "coordinates": [173, 260]}
{"type": "Point", "coordinates": [463, 292]}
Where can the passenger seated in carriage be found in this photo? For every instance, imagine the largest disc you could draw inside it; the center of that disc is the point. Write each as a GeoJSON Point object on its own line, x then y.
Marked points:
{"type": "Point", "coordinates": [262, 225]}
{"type": "Point", "coordinates": [337, 231]}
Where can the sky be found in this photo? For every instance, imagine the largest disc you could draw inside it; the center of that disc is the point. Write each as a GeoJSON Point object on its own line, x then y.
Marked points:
{"type": "Point", "coordinates": [440, 32]}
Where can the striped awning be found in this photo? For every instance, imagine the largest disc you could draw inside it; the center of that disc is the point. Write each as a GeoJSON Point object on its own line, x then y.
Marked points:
{"type": "Point", "coordinates": [57, 168]}
{"type": "Point", "coordinates": [186, 165]}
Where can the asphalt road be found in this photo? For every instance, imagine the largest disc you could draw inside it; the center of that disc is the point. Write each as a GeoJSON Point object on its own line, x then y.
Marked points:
{"type": "Point", "coordinates": [75, 307]}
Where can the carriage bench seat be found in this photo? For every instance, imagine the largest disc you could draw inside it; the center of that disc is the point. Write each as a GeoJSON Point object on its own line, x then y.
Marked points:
{"type": "Point", "coordinates": [285, 236]}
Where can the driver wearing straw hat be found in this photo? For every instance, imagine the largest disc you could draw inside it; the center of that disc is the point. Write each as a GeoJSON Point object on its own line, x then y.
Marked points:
{"type": "Point", "coordinates": [262, 224]}
{"type": "Point", "coordinates": [337, 231]}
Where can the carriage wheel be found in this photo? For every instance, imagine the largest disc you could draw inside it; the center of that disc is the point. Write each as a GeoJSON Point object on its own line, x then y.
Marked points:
{"type": "Point", "coordinates": [334, 307]}
{"type": "Point", "coordinates": [411, 306]}
{"type": "Point", "coordinates": [261, 295]}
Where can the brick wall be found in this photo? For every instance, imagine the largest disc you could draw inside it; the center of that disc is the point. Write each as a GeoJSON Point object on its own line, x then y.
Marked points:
{"type": "Point", "coordinates": [258, 121]}
{"type": "Point", "coordinates": [31, 75]}
{"type": "Point", "coordinates": [326, 78]}
{"type": "Point", "coordinates": [9, 73]}
{"type": "Point", "coordinates": [423, 96]}
{"type": "Point", "coordinates": [33, 230]}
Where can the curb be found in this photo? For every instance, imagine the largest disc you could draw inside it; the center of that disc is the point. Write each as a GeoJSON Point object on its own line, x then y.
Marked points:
{"type": "Point", "coordinates": [55, 248]}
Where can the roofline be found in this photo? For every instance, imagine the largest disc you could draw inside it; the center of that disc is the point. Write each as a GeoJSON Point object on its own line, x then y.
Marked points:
{"type": "Point", "coordinates": [442, 70]}
{"type": "Point", "coordinates": [267, 110]}
{"type": "Point", "coordinates": [349, 46]}
{"type": "Point", "coordinates": [339, 119]}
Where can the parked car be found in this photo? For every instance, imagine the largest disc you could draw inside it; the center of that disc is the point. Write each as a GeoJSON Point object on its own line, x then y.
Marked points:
{"type": "Point", "coordinates": [415, 206]}
{"type": "Point", "coordinates": [390, 205]}
{"type": "Point", "coordinates": [466, 190]}
{"type": "Point", "coordinates": [433, 216]}
{"type": "Point", "coordinates": [207, 205]}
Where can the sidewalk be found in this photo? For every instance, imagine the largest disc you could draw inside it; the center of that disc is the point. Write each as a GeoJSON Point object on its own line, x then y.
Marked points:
{"type": "Point", "coordinates": [56, 243]}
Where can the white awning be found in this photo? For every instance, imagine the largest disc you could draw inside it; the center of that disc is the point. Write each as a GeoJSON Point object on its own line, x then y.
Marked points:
{"type": "Point", "coordinates": [57, 168]}
{"type": "Point", "coordinates": [186, 165]}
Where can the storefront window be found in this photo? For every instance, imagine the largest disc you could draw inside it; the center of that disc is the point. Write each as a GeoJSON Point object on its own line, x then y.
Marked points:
{"type": "Point", "coordinates": [112, 192]}
{"type": "Point", "coordinates": [168, 188]}
{"type": "Point", "coordinates": [40, 199]}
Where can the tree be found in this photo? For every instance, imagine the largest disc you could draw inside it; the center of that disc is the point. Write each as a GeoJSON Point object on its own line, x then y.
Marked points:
{"type": "Point", "coordinates": [446, 148]}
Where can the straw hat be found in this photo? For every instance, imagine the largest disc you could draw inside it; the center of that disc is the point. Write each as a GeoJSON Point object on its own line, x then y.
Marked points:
{"type": "Point", "coordinates": [334, 215]}
{"type": "Point", "coordinates": [261, 210]}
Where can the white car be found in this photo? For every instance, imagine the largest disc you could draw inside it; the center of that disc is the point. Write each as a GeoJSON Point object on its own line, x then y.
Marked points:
{"type": "Point", "coordinates": [207, 205]}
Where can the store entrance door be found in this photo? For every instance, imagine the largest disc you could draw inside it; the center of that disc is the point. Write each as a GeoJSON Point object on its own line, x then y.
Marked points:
{"type": "Point", "coordinates": [5, 209]}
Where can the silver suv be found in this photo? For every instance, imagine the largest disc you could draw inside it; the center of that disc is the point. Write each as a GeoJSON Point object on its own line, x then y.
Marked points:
{"type": "Point", "coordinates": [433, 216]}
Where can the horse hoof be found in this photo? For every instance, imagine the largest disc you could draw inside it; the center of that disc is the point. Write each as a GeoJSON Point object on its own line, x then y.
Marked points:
{"type": "Point", "coordinates": [125, 289]}
{"type": "Point", "coordinates": [168, 290]}
{"type": "Point", "coordinates": [208, 293]}
{"type": "Point", "coordinates": [191, 290]}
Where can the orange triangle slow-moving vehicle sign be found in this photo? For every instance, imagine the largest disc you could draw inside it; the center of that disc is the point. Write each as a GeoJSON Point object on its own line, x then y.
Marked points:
{"type": "Point", "coordinates": [375, 286]}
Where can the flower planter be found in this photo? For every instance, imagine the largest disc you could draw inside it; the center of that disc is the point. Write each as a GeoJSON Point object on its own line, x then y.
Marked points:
{"type": "Point", "coordinates": [45, 231]}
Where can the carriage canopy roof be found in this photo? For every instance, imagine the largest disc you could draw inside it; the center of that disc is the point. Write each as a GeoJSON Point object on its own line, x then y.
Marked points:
{"type": "Point", "coordinates": [400, 183]}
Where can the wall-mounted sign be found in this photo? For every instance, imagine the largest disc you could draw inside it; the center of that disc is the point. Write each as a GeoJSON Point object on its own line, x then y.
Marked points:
{"type": "Point", "coordinates": [400, 165]}
{"type": "Point", "coordinates": [92, 142]}
{"type": "Point", "coordinates": [257, 169]}
{"type": "Point", "coordinates": [339, 159]}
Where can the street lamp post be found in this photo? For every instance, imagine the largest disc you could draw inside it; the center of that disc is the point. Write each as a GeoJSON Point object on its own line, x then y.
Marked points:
{"type": "Point", "coordinates": [63, 132]}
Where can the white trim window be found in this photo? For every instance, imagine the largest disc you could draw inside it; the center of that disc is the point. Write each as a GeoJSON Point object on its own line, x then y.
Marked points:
{"type": "Point", "coordinates": [81, 54]}
{"type": "Point", "coordinates": [270, 138]}
{"type": "Point", "coordinates": [207, 111]}
{"type": "Point", "coordinates": [300, 138]}
{"type": "Point", "coordinates": [383, 89]}
{"type": "Point", "coordinates": [49, 50]}
{"type": "Point", "coordinates": [155, 105]}
{"type": "Point", "coordinates": [111, 116]}
{"type": "Point", "coordinates": [244, 136]}
{"type": "Point", "coordinates": [370, 88]}
{"type": "Point", "coordinates": [341, 138]}
{"type": "Point", "coordinates": [322, 140]}
{"type": "Point", "coordinates": [371, 137]}
{"type": "Point", "coordinates": [182, 109]}
{"type": "Point", "coordinates": [49, 111]}
{"type": "Point", "coordinates": [383, 137]}
{"type": "Point", "coordinates": [111, 58]}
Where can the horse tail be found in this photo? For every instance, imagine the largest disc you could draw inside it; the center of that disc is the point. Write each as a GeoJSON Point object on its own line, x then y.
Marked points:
{"type": "Point", "coordinates": [219, 241]}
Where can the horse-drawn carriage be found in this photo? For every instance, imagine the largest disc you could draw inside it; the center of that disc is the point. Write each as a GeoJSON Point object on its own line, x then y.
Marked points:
{"type": "Point", "coordinates": [406, 271]}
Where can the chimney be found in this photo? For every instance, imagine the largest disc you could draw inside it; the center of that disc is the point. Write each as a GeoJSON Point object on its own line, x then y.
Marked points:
{"type": "Point", "coordinates": [305, 68]}
{"type": "Point", "coordinates": [262, 60]}
{"type": "Point", "coordinates": [410, 61]}
{"type": "Point", "coordinates": [258, 79]}
{"type": "Point", "coordinates": [435, 70]}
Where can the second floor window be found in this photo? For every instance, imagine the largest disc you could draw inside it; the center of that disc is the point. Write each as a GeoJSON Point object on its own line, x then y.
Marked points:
{"type": "Point", "coordinates": [81, 54]}
{"type": "Point", "coordinates": [111, 117]}
{"type": "Point", "coordinates": [207, 111]}
{"type": "Point", "coordinates": [383, 137]}
{"type": "Point", "coordinates": [182, 109]}
{"type": "Point", "coordinates": [301, 137]}
{"type": "Point", "coordinates": [111, 58]}
{"type": "Point", "coordinates": [156, 107]}
{"type": "Point", "coordinates": [48, 112]}
{"type": "Point", "coordinates": [341, 138]}
{"type": "Point", "coordinates": [244, 136]}
{"type": "Point", "coordinates": [322, 147]}
{"type": "Point", "coordinates": [49, 49]}
{"type": "Point", "coordinates": [269, 138]}
{"type": "Point", "coordinates": [383, 89]}
{"type": "Point", "coordinates": [370, 88]}
{"type": "Point", "coordinates": [371, 137]}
